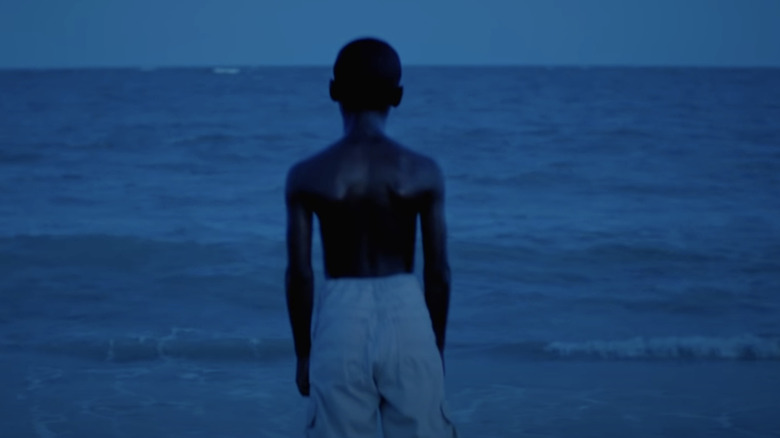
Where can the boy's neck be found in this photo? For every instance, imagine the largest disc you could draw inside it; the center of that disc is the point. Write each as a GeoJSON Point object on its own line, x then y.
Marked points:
{"type": "Point", "coordinates": [364, 123]}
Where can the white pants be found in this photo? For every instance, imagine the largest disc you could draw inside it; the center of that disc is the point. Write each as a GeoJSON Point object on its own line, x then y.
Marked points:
{"type": "Point", "coordinates": [374, 354]}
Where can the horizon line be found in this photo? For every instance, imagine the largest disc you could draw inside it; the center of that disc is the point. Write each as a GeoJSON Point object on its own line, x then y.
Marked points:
{"type": "Point", "coordinates": [151, 67]}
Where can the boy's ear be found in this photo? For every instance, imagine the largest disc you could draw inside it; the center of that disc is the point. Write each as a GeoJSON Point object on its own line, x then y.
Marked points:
{"type": "Point", "coordinates": [334, 91]}
{"type": "Point", "coordinates": [398, 93]}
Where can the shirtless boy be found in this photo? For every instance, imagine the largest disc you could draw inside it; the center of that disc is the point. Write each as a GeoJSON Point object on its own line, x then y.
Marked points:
{"type": "Point", "coordinates": [376, 344]}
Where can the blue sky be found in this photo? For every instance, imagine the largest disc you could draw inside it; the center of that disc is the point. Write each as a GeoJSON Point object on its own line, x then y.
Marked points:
{"type": "Point", "coordinates": [75, 33]}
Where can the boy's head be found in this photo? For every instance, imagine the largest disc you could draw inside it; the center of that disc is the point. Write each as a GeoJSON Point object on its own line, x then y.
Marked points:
{"type": "Point", "coordinates": [366, 76]}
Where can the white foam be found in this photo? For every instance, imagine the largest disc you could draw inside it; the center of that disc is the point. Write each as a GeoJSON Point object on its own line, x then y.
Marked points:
{"type": "Point", "coordinates": [744, 347]}
{"type": "Point", "coordinates": [226, 70]}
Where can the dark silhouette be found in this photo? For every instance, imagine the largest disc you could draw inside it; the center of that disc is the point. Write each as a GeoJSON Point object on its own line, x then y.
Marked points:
{"type": "Point", "coordinates": [371, 347]}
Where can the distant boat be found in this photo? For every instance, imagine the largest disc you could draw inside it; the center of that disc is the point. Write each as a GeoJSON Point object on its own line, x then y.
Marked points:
{"type": "Point", "coordinates": [226, 70]}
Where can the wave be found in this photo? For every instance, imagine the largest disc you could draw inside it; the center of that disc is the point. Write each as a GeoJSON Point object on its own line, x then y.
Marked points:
{"type": "Point", "coordinates": [226, 70]}
{"type": "Point", "coordinates": [523, 179]}
{"type": "Point", "coordinates": [210, 139]}
{"type": "Point", "coordinates": [643, 251]}
{"type": "Point", "coordinates": [7, 157]}
{"type": "Point", "coordinates": [125, 253]}
{"type": "Point", "coordinates": [604, 249]}
{"type": "Point", "coordinates": [143, 348]}
{"type": "Point", "coordinates": [240, 349]}
{"type": "Point", "coordinates": [744, 348]}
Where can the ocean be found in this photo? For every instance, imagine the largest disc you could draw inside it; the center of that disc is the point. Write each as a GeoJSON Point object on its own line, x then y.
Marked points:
{"type": "Point", "coordinates": [613, 238]}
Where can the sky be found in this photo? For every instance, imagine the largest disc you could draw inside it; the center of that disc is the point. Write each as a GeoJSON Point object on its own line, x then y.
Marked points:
{"type": "Point", "coordinates": [150, 33]}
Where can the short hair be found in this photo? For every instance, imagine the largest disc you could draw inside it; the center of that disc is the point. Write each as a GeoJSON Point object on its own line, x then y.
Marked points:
{"type": "Point", "coordinates": [366, 75]}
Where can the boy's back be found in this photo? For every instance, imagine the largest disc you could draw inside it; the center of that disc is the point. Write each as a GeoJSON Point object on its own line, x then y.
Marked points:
{"type": "Point", "coordinates": [367, 193]}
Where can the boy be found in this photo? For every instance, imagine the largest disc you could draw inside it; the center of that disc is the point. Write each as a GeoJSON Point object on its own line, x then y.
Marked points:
{"type": "Point", "coordinates": [377, 345]}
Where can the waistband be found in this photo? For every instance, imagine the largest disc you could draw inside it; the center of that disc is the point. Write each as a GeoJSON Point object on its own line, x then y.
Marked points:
{"type": "Point", "coordinates": [400, 291]}
{"type": "Point", "coordinates": [390, 281]}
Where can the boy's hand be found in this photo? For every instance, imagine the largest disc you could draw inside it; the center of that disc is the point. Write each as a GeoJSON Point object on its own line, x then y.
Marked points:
{"type": "Point", "coordinates": [302, 376]}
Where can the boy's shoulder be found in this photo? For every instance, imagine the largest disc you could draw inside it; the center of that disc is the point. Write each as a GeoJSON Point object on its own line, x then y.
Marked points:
{"type": "Point", "coordinates": [307, 166]}
{"type": "Point", "coordinates": [420, 161]}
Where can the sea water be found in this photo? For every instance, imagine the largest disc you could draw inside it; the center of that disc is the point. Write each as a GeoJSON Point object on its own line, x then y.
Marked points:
{"type": "Point", "coordinates": [613, 237]}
